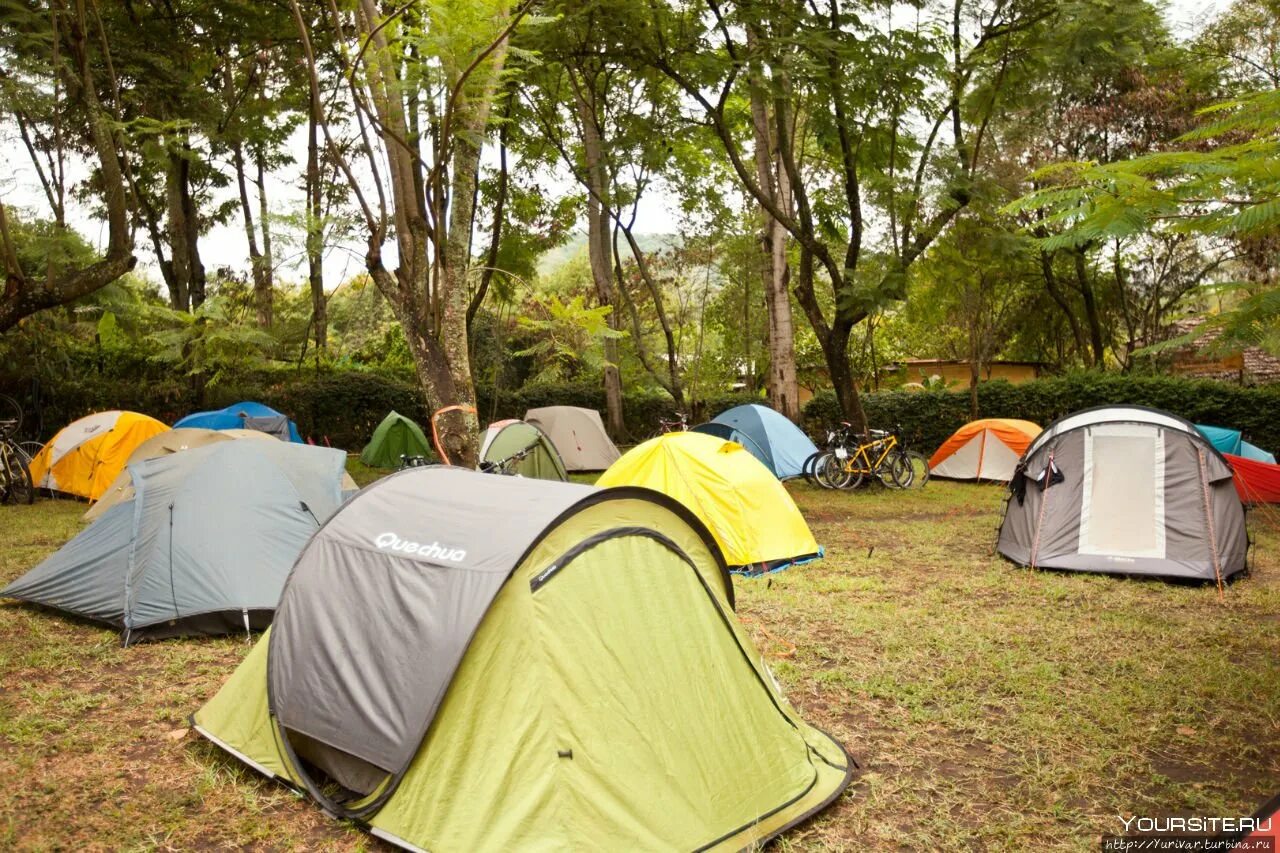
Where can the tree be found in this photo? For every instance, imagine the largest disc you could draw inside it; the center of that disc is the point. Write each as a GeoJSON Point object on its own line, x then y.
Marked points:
{"type": "Point", "coordinates": [1225, 187]}
{"type": "Point", "coordinates": [848, 94]}
{"type": "Point", "coordinates": [64, 84]}
{"type": "Point", "coordinates": [975, 285]}
{"type": "Point", "coordinates": [417, 174]}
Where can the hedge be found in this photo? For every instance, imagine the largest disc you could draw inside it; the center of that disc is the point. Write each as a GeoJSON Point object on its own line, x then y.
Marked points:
{"type": "Point", "coordinates": [343, 407]}
{"type": "Point", "coordinates": [340, 408]}
{"type": "Point", "coordinates": [927, 418]}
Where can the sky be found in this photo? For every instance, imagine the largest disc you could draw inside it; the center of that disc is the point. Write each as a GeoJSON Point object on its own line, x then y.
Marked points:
{"type": "Point", "coordinates": [226, 245]}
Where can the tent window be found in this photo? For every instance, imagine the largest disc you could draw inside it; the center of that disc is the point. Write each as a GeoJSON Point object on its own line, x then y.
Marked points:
{"type": "Point", "coordinates": [1123, 504]}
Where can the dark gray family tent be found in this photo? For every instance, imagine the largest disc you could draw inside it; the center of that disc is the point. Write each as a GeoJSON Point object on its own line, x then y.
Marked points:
{"type": "Point", "coordinates": [467, 662]}
{"type": "Point", "coordinates": [204, 546]}
{"type": "Point", "coordinates": [1125, 490]}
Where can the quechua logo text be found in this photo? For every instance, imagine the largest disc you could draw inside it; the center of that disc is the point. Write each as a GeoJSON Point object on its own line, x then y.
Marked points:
{"type": "Point", "coordinates": [422, 550]}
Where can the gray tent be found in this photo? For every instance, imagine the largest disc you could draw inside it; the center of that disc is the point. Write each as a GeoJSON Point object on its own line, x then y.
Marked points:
{"type": "Point", "coordinates": [1125, 490]}
{"type": "Point", "coordinates": [204, 546]}
{"type": "Point", "coordinates": [578, 434]}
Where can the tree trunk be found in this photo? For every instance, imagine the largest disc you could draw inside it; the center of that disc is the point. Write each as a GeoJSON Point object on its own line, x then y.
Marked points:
{"type": "Point", "coordinates": [783, 386]}
{"type": "Point", "coordinates": [266, 293]}
{"type": "Point", "coordinates": [315, 241]}
{"type": "Point", "coordinates": [598, 251]}
{"type": "Point", "coordinates": [179, 257]}
{"type": "Point", "coordinates": [251, 234]}
{"type": "Point", "coordinates": [1090, 310]}
{"type": "Point", "coordinates": [1060, 298]}
{"type": "Point", "coordinates": [184, 233]}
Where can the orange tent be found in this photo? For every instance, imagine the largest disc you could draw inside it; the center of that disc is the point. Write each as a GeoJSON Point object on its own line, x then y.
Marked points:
{"type": "Point", "coordinates": [988, 449]}
{"type": "Point", "coordinates": [85, 456]}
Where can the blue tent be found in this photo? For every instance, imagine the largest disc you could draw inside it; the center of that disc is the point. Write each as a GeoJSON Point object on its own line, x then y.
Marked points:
{"type": "Point", "coordinates": [245, 415]}
{"type": "Point", "coordinates": [1231, 441]}
{"type": "Point", "coordinates": [770, 437]}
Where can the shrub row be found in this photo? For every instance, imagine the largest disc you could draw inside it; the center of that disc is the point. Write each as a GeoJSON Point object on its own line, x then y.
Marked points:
{"type": "Point", "coordinates": [343, 407]}
{"type": "Point", "coordinates": [340, 408]}
{"type": "Point", "coordinates": [927, 418]}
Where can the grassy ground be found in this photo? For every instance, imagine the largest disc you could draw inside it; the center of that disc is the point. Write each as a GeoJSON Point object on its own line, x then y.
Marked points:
{"type": "Point", "coordinates": [991, 707]}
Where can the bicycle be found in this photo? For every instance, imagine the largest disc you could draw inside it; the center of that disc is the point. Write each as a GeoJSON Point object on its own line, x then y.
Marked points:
{"type": "Point", "coordinates": [15, 473]}
{"type": "Point", "coordinates": [680, 424]}
{"type": "Point", "coordinates": [882, 455]}
{"type": "Point", "coordinates": [507, 466]}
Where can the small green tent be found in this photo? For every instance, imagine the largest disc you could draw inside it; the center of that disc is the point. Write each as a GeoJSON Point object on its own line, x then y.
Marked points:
{"type": "Point", "coordinates": [396, 436]}
{"type": "Point", "coordinates": [516, 447]}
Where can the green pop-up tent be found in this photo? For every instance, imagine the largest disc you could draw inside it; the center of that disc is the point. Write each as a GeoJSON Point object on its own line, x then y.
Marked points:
{"type": "Point", "coordinates": [396, 436]}
{"type": "Point", "coordinates": [515, 447]}
{"type": "Point", "coordinates": [469, 662]}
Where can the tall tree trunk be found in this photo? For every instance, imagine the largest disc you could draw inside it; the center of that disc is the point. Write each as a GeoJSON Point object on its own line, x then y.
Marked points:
{"type": "Point", "coordinates": [598, 250]}
{"type": "Point", "coordinates": [184, 232]}
{"type": "Point", "coordinates": [784, 389]}
{"type": "Point", "coordinates": [179, 256]}
{"type": "Point", "coordinates": [266, 293]}
{"type": "Point", "coordinates": [315, 241]}
{"type": "Point", "coordinates": [1060, 299]}
{"type": "Point", "coordinates": [1090, 310]}
{"type": "Point", "coordinates": [251, 235]}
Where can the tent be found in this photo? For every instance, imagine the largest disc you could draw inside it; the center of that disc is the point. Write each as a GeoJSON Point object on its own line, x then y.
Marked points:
{"type": "Point", "coordinates": [778, 443]}
{"type": "Point", "coordinates": [86, 455]}
{"type": "Point", "coordinates": [531, 453]}
{"type": "Point", "coordinates": [245, 415]}
{"type": "Point", "coordinates": [753, 519]}
{"type": "Point", "coordinates": [1256, 482]}
{"type": "Point", "coordinates": [470, 662]}
{"type": "Point", "coordinates": [1231, 441]}
{"type": "Point", "coordinates": [396, 436]}
{"type": "Point", "coordinates": [176, 441]}
{"type": "Point", "coordinates": [987, 449]}
{"type": "Point", "coordinates": [203, 547]}
{"type": "Point", "coordinates": [578, 435]}
{"type": "Point", "coordinates": [1126, 490]}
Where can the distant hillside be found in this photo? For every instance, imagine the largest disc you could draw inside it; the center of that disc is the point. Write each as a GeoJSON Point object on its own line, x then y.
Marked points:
{"type": "Point", "coordinates": [552, 260]}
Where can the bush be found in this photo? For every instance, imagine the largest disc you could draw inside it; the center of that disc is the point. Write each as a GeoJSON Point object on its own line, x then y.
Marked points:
{"type": "Point", "coordinates": [929, 417]}
{"type": "Point", "coordinates": [340, 408]}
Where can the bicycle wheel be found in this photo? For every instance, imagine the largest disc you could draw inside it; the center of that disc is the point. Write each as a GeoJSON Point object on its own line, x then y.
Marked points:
{"type": "Point", "coordinates": [809, 466]}
{"type": "Point", "coordinates": [820, 471]}
{"type": "Point", "coordinates": [16, 477]}
{"type": "Point", "coordinates": [918, 466]}
{"type": "Point", "coordinates": [888, 471]}
{"type": "Point", "coordinates": [834, 475]}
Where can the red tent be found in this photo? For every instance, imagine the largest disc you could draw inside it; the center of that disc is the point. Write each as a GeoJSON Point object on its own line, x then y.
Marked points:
{"type": "Point", "coordinates": [1256, 482]}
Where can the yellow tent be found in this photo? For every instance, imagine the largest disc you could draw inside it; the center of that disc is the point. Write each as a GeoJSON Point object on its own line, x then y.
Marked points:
{"type": "Point", "coordinates": [85, 456]}
{"type": "Point", "coordinates": [750, 514]}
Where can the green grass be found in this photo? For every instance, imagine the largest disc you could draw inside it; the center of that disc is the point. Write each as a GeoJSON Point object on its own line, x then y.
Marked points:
{"type": "Point", "coordinates": [990, 707]}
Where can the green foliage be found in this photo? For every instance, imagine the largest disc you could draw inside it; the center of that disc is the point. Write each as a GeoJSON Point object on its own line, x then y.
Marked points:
{"type": "Point", "coordinates": [928, 417]}
{"type": "Point", "coordinates": [565, 331]}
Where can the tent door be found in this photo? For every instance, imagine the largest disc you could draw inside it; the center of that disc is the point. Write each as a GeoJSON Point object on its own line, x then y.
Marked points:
{"type": "Point", "coordinates": [1122, 511]}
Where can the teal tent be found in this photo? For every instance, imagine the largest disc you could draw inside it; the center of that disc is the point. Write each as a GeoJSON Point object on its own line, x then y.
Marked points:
{"type": "Point", "coordinates": [396, 436]}
{"type": "Point", "coordinates": [778, 443]}
{"type": "Point", "coordinates": [1231, 441]}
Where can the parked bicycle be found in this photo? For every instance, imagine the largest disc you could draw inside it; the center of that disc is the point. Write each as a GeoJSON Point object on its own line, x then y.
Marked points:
{"type": "Point", "coordinates": [680, 424]}
{"type": "Point", "coordinates": [508, 466]}
{"type": "Point", "coordinates": [877, 455]}
{"type": "Point", "coordinates": [15, 471]}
